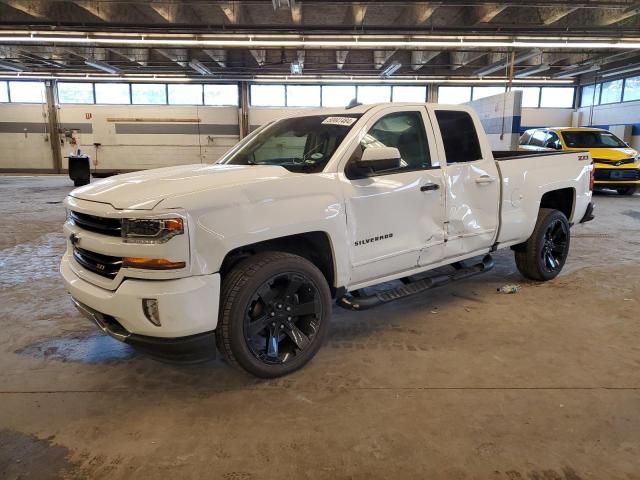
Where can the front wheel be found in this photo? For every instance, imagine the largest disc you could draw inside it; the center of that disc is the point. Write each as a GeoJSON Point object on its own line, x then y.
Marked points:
{"type": "Point", "coordinates": [274, 314]}
{"type": "Point", "coordinates": [544, 254]}
{"type": "Point", "coordinates": [630, 190]}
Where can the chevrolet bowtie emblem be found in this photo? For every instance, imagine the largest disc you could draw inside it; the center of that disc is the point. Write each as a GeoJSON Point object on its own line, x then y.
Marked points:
{"type": "Point", "coordinates": [74, 239]}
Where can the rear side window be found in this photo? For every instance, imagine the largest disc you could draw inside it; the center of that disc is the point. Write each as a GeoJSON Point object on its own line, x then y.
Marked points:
{"type": "Point", "coordinates": [459, 136]}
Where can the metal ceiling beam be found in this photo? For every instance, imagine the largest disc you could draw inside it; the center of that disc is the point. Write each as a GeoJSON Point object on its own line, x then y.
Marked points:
{"type": "Point", "coordinates": [359, 13]}
{"type": "Point", "coordinates": [33, 8]}
{"type": "Point", "coordinates": [485, 13]}
{"type": "Point", "coordinates": [177, 55]}
{"type": "Point", "coordinates": [504, 63]}
{"type": "Point", "coordinates": [460, 59]}
{"type": "Point", "coordinates": [613, 17]}
{"type": "Point", "coordinates": [105, 11]}
{"type": "Point", "coordinates": [552, 15]}
{"type": "Point", "coordinates": [218, 56]}
{"type": "Point", "coordinates": [231, 11]}
{"type": "Point", "coordinates": [380, 57]}
{"type": "Point", "coordinates": [134, 55]}
{"type": "Point", "coordinates": [260, 56]}
{"type": "Point", "coordinates": [341, 58]}
{"type": "Point", "coordinates": [423, 12]}
{"type": "Point", "coordinates": [419, 58]}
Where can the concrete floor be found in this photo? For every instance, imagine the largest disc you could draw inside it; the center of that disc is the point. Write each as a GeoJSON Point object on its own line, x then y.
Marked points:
{"type": "Point", "coordinates": [460, 383]}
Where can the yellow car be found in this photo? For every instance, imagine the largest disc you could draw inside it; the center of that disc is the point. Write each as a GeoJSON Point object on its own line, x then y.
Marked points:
{"type": "Point", "coordinates": [617, 166]}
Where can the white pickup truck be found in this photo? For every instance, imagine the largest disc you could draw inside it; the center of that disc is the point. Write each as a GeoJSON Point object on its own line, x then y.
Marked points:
{"type": "Point", "coordinates": [249, 252]}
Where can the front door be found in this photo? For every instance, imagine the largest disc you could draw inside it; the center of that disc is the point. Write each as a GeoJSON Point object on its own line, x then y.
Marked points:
{"type": "Point", "coordinates": [395, 215]}
{"type": "Point", "coordinates": [472, 184]}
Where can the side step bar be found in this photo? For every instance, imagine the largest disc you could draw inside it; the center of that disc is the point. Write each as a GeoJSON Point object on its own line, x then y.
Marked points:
{"type": "Point", "coordinates": [351, 302]}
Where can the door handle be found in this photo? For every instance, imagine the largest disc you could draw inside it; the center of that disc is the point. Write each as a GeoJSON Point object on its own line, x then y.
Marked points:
{"type": "Point", "coordinates": [484, 179]}
{"type": "Point", "coordinates": [429, 186]}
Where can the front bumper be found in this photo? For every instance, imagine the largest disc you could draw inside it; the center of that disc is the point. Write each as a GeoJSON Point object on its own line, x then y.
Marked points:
{"type": "Point", "coordinates": [188, 306]}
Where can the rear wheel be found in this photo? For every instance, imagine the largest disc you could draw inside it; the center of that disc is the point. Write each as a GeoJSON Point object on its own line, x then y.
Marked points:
{"type": "Point", "coordinates": [544, 254]}
{"type": "Point", "coordinates": [274, 314]}
{"type": "Point", "coordinates": [630, 190]}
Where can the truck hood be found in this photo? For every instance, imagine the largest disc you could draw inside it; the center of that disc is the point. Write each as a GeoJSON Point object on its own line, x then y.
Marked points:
{"type": "Point", "coordinates": [144, 190]}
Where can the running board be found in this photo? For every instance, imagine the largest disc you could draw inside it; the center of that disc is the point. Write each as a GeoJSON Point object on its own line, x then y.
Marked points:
{"type": "Point", "coordinates": [351, 302]}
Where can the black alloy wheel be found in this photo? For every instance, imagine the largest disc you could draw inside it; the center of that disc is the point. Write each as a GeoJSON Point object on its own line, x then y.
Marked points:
{"type": "Point", "coordinates": [554, 250]}
{"type": "Point", "coordinates": [282, 318]}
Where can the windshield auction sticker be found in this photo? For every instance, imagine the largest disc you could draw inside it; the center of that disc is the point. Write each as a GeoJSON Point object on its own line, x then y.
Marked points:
{"type": "Point", "coordinates": [344, 121]}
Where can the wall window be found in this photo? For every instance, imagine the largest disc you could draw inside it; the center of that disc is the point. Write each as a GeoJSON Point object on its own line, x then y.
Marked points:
{"type": "Point", "coordinates": [484, 92]}
{"type": "Point", "coordinates": [459, 136]}
{"type": "Point", "coordinates": [557, 97]}
{"type": "Point", "coordinates": [75, 92]}
{"type": "Point", "coordinates": [303, 95]}
{"type": "Point", "coordinates": [149, 93]}
{"type": "Point", "coordinates": [611, 92]}
{"type": "Point", "coordinates": [185, 94]}
{"type": "Point", "coordinates": [113, 93]}
{"type": "Point", "coordinates": [268, 95]}
{"type": "Point", "coordinates": [373, 94]}
{"type": "Point", "coordinates": [454, 95]}
{"type": "Point", "coordinates": [4, 92]}
{"type": "Point", "coordinates": [409, 94]}
{"type": "Point", "coordinates": [590, 95]}
{"type": "Point", "coordinates": [27, 92]}
{"type": "Point", "coordinates": [631, 89]}
{"type": "Point", "coordinates": [221, 95]}
{"type": "Point", "coordinates": [337, 95]}
{"type": "Point", "coordinates": [530, 96]}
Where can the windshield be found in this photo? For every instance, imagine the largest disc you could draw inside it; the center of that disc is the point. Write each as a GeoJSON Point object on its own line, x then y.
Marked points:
{"type": "Point", "coordinates": [299, 144]}
{"type": "Point", "coordinates": [592, 139]}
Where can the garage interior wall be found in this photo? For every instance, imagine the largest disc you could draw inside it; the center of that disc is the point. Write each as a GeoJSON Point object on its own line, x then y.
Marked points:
{"type": "Point", "coordinates": [615, 115]}
{"type": "Point", "coordinates": [133, 137]}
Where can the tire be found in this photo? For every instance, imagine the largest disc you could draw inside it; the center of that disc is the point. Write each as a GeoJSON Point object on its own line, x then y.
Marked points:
{"type": "Point", "coordinates": [79, 182]}
{"type": "Point", "coordinates": [544, 254]}
{"type": "Point", "coordinates": [258, 330]}
{"type": "Point", "coordinates": [630, 190]}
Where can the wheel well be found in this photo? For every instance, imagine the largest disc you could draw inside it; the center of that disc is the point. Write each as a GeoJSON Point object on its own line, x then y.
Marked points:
{"type": "Point", "coordinates": [314, 246]}
{"type": "Point", "coordinates": [562, 200]}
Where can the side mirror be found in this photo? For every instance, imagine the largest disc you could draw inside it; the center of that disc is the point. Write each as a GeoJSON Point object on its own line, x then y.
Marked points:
{"type": "Point", "coordinates": [379, 158]}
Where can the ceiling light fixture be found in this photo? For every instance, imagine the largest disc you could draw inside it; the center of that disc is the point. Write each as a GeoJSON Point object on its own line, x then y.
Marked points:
{"type": "Point", "coordinates": [496, 67]}
{"type": "Point", "coordinates": [392, 68]}
{"type": "Point", "coordinates": [256, 41]}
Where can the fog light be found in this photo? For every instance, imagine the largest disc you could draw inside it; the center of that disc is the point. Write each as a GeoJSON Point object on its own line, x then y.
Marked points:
{"type": "Point", "coordinates": [151, 311]}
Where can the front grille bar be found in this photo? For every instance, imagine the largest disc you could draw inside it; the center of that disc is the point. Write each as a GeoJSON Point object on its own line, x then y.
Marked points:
{"type": "Point", "coordinates": [103, 265]}
{"type": "Point", "coordinates": [105, 226]}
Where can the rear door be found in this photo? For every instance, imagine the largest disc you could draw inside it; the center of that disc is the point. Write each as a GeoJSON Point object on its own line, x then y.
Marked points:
{"type": "Point", "coordinates": [472, 192]}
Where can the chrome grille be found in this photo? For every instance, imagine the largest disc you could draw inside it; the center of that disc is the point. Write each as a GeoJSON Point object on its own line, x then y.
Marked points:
{"type": "Point", "coordinates": [103, 265]}
{"type": "Point", "coordinates": [105, 226]}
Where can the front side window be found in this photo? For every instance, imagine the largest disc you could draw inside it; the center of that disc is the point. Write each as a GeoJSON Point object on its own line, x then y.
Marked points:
{"type": "Point", "coordinates": [299, 144]}
{"type": "Point", "coordinates": [404, 131]}
{"type": "Point", "coordinates": [459, 136]}
{"type": "Point", "coordinates": [592, 139]}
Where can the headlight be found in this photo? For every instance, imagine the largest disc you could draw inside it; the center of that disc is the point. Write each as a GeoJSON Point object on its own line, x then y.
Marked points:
{"type": "Point", "coordinates": [159, 230]}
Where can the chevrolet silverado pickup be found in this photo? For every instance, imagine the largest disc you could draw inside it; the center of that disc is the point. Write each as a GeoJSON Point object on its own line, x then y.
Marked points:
{"type": "Point", "coordinates": [249, 253]}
